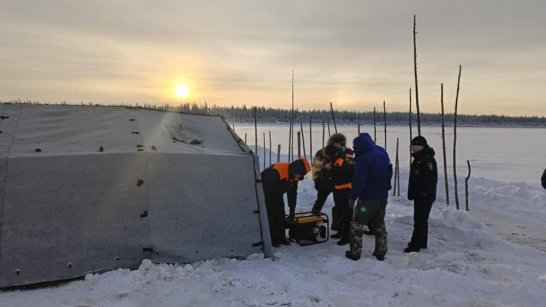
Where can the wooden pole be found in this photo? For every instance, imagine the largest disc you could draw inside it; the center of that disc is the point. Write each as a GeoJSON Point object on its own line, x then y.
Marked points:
{"type": "Point", "coordinates": [395, 185]}
{"type": "Point", "coordinates": [291, 142]}
{"type": "Point", "coordinates": [415, 72]}
{"type": "Point", "coordinates": [270, 148]}
{"type": "Point", "coordinates": [466, 184]}
{"type": "Point", "coordinates": [455, 140]}
{"type": "Point", "coordinates": [245, 138]}
{"type": "Point", "coordinates": [329, 134]}
{"type": "Point", "coordinates": [397, 167]}
{"type": "Point", "coordinates": [333, 116]}
{"type": "Point", "coordinates": [410, 127]}
{"type": "Point", "coordinates": [310, 139]}
{"type": "Point", "coordinates": [323, 131]}
{"type": "Point", "coordinates": [358, 127]}
{"type": "Point", "coordinates": [264, 151]}
{"type": "Point", "coordinates": [385, 120]}
{"type": "Point", "coordinates": [302, 138]}
{"type": "Point", "coordinates": [299, 144]}
{"type": "Point", "coordinates": [256, 131]}
{"type": "Point", "coordinates": [444, 143]}
{"type": "Point", "coordinates": [279, 153]}
{"type": "Point", "coordinates": [374, 126]}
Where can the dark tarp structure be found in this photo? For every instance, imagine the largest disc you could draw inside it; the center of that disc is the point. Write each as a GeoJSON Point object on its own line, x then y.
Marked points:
{"type": "Point", "coordinates": [88, 189]}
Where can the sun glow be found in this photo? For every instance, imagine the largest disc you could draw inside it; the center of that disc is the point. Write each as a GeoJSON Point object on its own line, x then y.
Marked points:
{"type": "Point", "coordinates": [181, 91]}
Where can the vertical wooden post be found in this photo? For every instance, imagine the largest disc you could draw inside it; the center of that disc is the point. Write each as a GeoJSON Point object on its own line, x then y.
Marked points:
{"type": "Point", "coordinates": [291, 145]}
{"type": "Point", "coordinates": [358, 127]}
{"type": "Point", "coordinates": [299, 144]}
{"type": "Point", "coordinates": [323, 131]}
{"type": "Point", "coordinates": [410, 127]}
{"type": "Point", "coordinates": [264, 151]}
{"type": "Point", "coordinates": [333, 116]}
{"type": "Point", "coordinates": [398, 167]}
{"type": "Point", "coordinates": [466, 184]}
{"type": "Point", "coordinates": [310, 139]}
{"type": "Point", "coordinates": [374, 126]}
{"type": "Point", "coordinates": [256, 131]}
{"type": "Point", "coordinates": [279, 153]}
{"type": "Point", "coordinates": [270, 148]}
{"type": "Point", "coordinates": [385, 120]}
{"type": "Point", "coordinates": [444, 144]}
{"type": "Point", "coordinates": [245, 139]}
{"type": "Point", "coordinates": [455, 141]}
{"type": "Point", "coordinates": [329, 133]}
{"type": "Point", "coordinates": [395, 185]}
{"type": "Point", "coordinates": [302, 138]}
{"type": "Point", "coordinates": [415, 72]}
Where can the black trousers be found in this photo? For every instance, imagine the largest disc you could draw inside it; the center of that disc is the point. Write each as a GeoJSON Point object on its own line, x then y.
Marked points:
{"type": "Point", "coordinates": [341, 199]}
{"type": "Point", "coordinates": [276, 215]}
{"type": "Point", "coordinates": [324, 187]}
{"type": "Point", "coordinates": [421, 212]}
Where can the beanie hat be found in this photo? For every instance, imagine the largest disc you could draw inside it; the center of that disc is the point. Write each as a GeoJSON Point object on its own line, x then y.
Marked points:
{"type": "Point", "coordinates": [419, 140]}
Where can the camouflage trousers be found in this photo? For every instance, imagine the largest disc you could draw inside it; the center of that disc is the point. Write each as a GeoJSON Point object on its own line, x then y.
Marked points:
{"type": "Point", "coordinates": [370, 212]}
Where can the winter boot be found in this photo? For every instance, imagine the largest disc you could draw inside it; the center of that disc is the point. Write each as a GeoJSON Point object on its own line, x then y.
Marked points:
{"type": "Point", "coordinates": [352, 256]}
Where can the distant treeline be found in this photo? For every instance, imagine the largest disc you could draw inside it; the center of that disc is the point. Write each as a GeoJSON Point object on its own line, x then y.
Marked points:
{"type": "Point", "coordinates": [246, 114]}
{"type": "Point", "coordinates": [275, 115]}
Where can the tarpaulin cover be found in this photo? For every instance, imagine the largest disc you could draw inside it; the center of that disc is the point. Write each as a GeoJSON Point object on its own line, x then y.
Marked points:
{"type": "Point", "coordinates": [89, 189]}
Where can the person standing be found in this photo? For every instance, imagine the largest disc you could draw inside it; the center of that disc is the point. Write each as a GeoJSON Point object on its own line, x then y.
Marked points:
{"type": "Point", "coordinates": [323, 180]}
{"type": "Point", "coordinates": [278, 179]}
{"type": "Point", "coordinates": [371, 185]}
{"type": "Point", "coordinates": [341, 167]}
{"type": "Point", "coordinates": [544, 179]}
{"type": "Point", "coordinates": [423, 179]}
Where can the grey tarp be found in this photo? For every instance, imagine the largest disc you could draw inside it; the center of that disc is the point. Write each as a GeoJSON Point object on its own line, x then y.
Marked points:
{"type": "Point", "coordinates": [88, 189]}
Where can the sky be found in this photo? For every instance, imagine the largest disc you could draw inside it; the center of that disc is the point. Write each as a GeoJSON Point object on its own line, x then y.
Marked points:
{"type": "Point", "coordinates": [355, 54]}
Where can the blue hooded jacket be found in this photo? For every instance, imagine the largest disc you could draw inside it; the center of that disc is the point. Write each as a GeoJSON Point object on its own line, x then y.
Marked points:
{"type": "Point", "coordinates": [373, 170]}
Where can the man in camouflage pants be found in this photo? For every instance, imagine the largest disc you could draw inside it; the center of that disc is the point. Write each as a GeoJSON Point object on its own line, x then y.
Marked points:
{"type": "Point", "coordinates": [371, 185]}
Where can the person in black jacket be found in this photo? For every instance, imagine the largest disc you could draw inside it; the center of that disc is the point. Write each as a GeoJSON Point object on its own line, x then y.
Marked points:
{"type": "Point", "coordinates": [544, 179]}
{"type": "Point", "coordinates": [341, 167]}
{"type": "Point", "coordinates": [423, 179]}
{"type": "Point", "coordinates": [278, 179]}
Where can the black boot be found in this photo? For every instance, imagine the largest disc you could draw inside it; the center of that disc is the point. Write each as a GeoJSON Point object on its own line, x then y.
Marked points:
{"type": "Point", "coordinates": [343, 241]}
{"type": "Point", "coordinates": [411, 249]}
{"type": "Point", "coordinates": [336, 235]}
{"type": "Point", "coordinates": [351, 256]}
{"type": "Point", "coordinates": [379, 257]}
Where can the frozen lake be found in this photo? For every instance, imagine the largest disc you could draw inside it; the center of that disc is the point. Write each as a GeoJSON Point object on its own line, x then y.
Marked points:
{"type": "Point", "coordinates": [505, 154]}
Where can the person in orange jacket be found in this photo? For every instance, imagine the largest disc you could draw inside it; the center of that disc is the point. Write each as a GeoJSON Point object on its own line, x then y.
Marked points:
{"type": "Point", "coordinates": [278, 179]}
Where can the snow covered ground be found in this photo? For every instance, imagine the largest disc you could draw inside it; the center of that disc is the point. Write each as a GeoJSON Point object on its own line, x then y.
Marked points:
{"type": "Point", "coordinates": [467, 264]}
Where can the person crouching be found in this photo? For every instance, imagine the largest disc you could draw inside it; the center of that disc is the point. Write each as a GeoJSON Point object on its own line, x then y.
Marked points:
{"type": "Point", "coordinates": [278, 179]}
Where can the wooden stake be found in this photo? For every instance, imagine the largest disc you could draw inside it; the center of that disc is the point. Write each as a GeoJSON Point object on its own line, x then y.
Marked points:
{"type": "Point", "coordinates": [385, 120]}
{"type": "Point", "coordinates": [466, 184]}
{"type": "Point", "coordinates": [358, 127]}
{"type": "Point", "coordinates": [323, 131]}
{"type": "Point", "coordinates": [410, 127]}
{"type": "Point", "coordinates": [279, 153]}
{"type": "Point", "coordinates": [415, 72]}
{"type": "Point", "coordinates": [455, 140]}
{"type": "Point", "coordinates": [395, 185]}
{"type": "Point", "coordinates": [444, 144]}
{"type": "Point", "coordinates": [329, 134]}
{"type": "Point", "coordinates": [310, 139]}
{"type": "Point", "coordinates": [302, 138]}
{"type": "Point", "coordinates": [299, 144]}
{"type": "Point", "coordinates": [264, 151]}
{"type": "Point", "coordinates": [374, 126]}
{"type": "Point", "coordinates": [333, 116]}
{"type": "Point", "coordinates": [245, 138]}
{"type": "Point", "coordinates": [270, 148]}
{"type": "Point", "coordinates": [256, 131]}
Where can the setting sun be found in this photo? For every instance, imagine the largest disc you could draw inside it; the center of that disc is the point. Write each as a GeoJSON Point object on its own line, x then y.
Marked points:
{"type": "Point", "coordinates": [181, 91]}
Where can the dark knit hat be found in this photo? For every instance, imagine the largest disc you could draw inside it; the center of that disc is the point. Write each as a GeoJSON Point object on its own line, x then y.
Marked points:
{"type": "Point", "coordinates": [419, 140]}
{"type": "Point", "coordinates": [337, 138]}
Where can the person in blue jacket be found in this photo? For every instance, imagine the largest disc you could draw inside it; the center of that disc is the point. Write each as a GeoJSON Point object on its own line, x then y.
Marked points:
{"type": "Point", "coordinates": [371, 185]}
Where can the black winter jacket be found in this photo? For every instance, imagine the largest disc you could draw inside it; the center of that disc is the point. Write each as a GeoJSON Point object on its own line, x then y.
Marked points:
{"type": "Point", "coordinates": [423, 175]}
{"type": "Point", "coordinates": [544, 179]}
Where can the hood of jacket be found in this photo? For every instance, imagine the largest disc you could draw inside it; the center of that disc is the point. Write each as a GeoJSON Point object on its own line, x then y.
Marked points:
{"type": "Point", "coordinates": [363, 143]}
